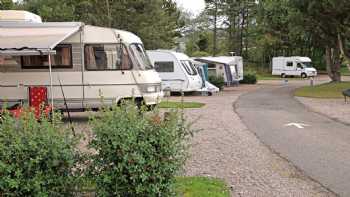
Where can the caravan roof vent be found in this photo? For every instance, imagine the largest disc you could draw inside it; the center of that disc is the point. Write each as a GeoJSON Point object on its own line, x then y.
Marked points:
{"type": "Point", "coordinates": [19, 16]}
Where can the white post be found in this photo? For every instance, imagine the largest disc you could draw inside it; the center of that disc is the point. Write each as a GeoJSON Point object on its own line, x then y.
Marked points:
{"type": "Point", "coordinates": [51, 81]}
{"type": "Point", "coordinates": [311, 81]}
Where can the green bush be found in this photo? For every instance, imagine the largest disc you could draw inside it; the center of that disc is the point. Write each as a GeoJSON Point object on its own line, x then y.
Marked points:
{"type": "Point", "coordinates": [36, 158]}
{"type": "Point", "coordinates": [139, 153]}
{"type": "Point", "coordinates": [218, 81]}
{"type": "Point", "coordinates": [249, 78]}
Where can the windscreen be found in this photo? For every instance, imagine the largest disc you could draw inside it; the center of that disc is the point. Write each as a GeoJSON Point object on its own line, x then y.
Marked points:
{"type": "Point", "coordinates": [189, 67]}
{"type": "Point", "coordinates": [141, 57]}
{"type": "Point", "coordinates": [308, 64]}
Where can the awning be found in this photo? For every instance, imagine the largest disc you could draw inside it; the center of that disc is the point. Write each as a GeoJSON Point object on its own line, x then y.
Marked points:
{"type": "Point", "coordinates": [228, 60]}
{"type": "Point", "coordinates": [34, 39]}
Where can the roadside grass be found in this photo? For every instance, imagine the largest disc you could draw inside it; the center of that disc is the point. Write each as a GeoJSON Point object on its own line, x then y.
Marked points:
{"type": "Point", "coordinates": [345, 71]}
{"type": "Point", "coordinates": [201, 187]}
{"type": "Point", "coordinates": [185, 187]}
{"type": "Point", "coordinates": [328, 90]}
{"type": "Point", "coordinates": [274, 77]}
{"type": "Point", "coordinates": [173, 104]}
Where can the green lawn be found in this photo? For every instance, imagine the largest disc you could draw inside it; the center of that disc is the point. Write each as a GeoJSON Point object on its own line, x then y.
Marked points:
{"type": "Point", "coordinates": [187, 187]}
{"type": "Point", "coordinates": [345, 71]}
{"type": "Point", "coordinates": [328, 90]}
{"type": "Point", "coordinates": [201, 187]}
{"type": "Point", "coordinates": [274, 77]}
{"type": "Point", "coordinates": [173, 104]}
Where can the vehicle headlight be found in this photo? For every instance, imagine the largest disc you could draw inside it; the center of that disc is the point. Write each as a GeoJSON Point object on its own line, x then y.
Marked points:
{"type": "Point", "coordinates": [151, 88]}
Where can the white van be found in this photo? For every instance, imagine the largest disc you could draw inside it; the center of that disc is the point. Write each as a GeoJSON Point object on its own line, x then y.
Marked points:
{"type": "Point", "coordinates": [176, 71]}
{"type": "Point", "coordinates": [90, 63]}
{"type": "Point", "coordinates": [293, 66]}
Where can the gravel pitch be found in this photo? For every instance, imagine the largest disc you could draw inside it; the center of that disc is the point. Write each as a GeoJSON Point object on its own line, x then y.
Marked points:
{"type": "Point", "coordinates": [336, 109]}
{"type": "Point", "coordinates": [226, 149]}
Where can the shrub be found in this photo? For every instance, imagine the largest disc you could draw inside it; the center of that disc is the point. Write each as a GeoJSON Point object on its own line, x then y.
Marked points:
{"type": "Point", "coordinates": [36, 158]}
{"type": "Point", "coordinates": [249, 78]}
{"type": "Point", "coordinates": [138, 152]}
{"type": "Point", "coordinates": [218, 81]}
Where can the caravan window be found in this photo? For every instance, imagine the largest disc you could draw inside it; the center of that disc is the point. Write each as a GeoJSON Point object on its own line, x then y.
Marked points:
{"type": "Point", "coordinates": [141, 57]}
{"type": "Point", "coordinates": [164, 67]}
{"type": "Point", "coordinates": [62, 59]}
{"type": "Point", "coordinates": [190, 69]}
{"type": "Point", "coordinates": [290, 64]}
{"type": "Point", "coordinates": [99, 57]}
{"type": "Point", "coordinates": [7, 60]}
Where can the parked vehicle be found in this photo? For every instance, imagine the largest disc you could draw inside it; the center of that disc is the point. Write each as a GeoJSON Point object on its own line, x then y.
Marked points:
{"type": "Point", "coordinates": [293, 66]}
{"type": "Point", "coordinates": [89, 63]}
{"type": "Point", "coordinates": [176, 71]}
{"type": "Point", "coordinates": [229, 67]}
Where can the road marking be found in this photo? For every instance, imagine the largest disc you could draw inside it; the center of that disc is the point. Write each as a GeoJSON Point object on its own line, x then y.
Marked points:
{"type": "Point", "coordinates": [297, 125]}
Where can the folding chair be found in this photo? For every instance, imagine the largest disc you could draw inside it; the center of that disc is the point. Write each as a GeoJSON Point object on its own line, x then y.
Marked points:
{"type": "Point", "coordinates": [38, 101]}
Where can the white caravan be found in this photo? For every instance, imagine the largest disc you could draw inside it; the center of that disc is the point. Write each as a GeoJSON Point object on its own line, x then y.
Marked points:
{"type": "Point", "coordinates": [229, 67]}
{"type": "Point", "coordinates": [293, 66]}
{"type": "Point", "coordinates": [176, 71]}
{"type": "Point", "coordinates": [89, 63]}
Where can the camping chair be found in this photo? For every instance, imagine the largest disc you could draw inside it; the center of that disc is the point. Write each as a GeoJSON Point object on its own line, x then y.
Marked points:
{"type": "Point", "coordinates": [38, 101]}
{"type": "Point", "coordinates": [346, 93]}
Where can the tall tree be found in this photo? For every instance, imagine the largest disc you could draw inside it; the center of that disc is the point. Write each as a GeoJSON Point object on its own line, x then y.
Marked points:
{"type": "Point", "coordinates": [214, 9]}
{"type": "Point", "coordinates": [329, 22]}
{"type": "Point", "coordinates": [156, 21]}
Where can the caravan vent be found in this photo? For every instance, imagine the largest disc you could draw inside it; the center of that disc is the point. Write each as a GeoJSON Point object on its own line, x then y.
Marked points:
{"type": "Point", "coordinates": [19, 16]}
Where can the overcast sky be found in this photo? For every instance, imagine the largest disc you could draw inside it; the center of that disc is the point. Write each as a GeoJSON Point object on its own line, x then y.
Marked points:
{"type": "Point", "coordinates": [195, 6]}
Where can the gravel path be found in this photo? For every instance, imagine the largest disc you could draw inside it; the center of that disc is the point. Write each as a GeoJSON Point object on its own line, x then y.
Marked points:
{"type": "Point", "coordinates": [226, 149]}
{"type": "Point", "coordinates": [336, 109]}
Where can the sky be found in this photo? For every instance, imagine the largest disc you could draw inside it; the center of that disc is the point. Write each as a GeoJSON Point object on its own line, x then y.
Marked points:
{"type": "Point", "coordinates": [195, 6]}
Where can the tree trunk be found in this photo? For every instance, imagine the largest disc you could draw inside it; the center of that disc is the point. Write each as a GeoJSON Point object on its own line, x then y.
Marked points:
{"type": "Point", "coordinates": [344, 50]}
{"type": "Point", "coordinates": [215, 29]}
{"type": "Point", "coordinates": [333, 63]}
{"type": "Point", "coordinates": [242, 30]}
{"type": "Point", "coordinates": [109, 20]}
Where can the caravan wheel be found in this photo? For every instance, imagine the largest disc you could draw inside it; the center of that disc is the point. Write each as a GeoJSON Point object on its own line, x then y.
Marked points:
{"type": "Point", "coordinates": [283, 75]}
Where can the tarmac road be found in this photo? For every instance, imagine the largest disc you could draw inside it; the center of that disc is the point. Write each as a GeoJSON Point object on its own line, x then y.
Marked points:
{"type": "Point", "coordinates": [321, 149]}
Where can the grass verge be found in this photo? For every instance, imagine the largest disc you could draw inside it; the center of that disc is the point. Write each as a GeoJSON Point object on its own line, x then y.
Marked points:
{"type": "Point", "coordinates": [328, 90]}
{"type": "Point", "coordinates": [345, 71]}
{"type": "Point", "coordinates": [173, 104]}
{"type": "Point", "coordinates": [185, 187]}
{"type": "Point", "coordinates": [201, 187]}
{"type": "Point", "coordinates": [274, 77]}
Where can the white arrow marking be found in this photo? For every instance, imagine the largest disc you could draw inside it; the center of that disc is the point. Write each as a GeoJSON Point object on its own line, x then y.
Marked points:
{"type": "Point", "coordinates": [297, 125]}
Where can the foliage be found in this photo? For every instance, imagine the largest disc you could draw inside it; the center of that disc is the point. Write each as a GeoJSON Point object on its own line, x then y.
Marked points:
{"type": "Point", "coordinates": [249, 78]}
{"type": "Point", "coordinates": [172, 104]}
{"type": "Point", "coordinates": [138, 152]}
{"type": "Point", "coordinates": [6, 4]}
{"type": "Point", "coordinates": [201, 187]}
{"type": "Point", "coordinates": [155, 21]}
{"type": "Point", "coordinates": [328, 22]}
{"type": "Point", "coordinates": [218, 81]}
{"type": "Point", "coordinates": [36, 158]}
{"type": "Point", "coordinates": [200, 54]}
{"type": "Point", "coordinates": [329, 90]}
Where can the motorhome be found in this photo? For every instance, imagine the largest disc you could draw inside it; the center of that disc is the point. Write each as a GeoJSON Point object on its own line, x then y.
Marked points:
{"type": "Point", "coordinates": [293, 66]}
{"type": "Point", "coordinates": [229, 67]}
{"type": "Point", "coordinates": [88, 65]}
{"type": "Point", "coordinates": [176, 71]}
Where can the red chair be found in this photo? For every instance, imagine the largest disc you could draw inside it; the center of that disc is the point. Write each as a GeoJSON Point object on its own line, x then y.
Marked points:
{"type": "Point", "coordinates": [38, 101]}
